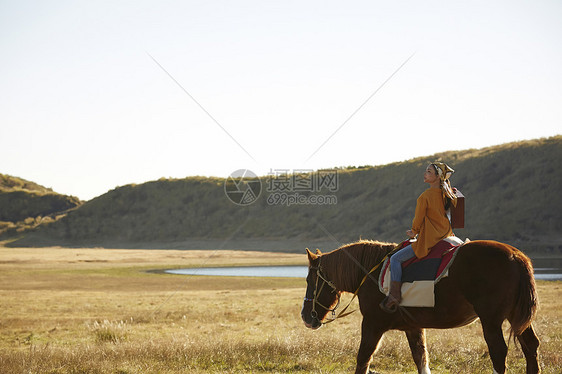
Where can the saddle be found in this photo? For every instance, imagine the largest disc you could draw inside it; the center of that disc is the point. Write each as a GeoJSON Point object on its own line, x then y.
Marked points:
{"type": "Point", "coordinates": [419, 276]}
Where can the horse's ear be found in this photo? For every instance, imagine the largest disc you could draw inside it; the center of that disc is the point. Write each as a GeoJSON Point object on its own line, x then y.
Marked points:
{"type": "Point", "coordinates": [311, 256]}
{"type": "Point", "coordinates": [318, 252]}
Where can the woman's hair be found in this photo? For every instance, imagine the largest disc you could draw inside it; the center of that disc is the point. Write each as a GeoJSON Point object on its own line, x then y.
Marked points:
{"type": "Point", "coordinates": [447, 201]}
{"type": "Point", "coordinates": [447, 204]}
{"type": "Point", "coordinates": [435, 169]}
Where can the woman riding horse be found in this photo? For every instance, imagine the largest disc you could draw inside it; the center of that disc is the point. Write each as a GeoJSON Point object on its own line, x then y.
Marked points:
{"type": "Point", "coordinates": [430, 224]}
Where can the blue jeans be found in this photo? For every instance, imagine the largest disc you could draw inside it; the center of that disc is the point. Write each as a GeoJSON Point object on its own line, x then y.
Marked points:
{"type": "Point", "coordinates": [396, 261]}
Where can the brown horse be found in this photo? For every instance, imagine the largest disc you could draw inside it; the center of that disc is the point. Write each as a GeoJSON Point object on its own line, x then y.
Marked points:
{"type": "Point", "coordinates": [488, 280]}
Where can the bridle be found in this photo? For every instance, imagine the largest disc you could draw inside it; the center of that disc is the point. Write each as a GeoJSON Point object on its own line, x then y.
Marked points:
{"type": "Point", "coordinates": [317, 291]}
{"type": "Point", "coordinates": [325, 281]}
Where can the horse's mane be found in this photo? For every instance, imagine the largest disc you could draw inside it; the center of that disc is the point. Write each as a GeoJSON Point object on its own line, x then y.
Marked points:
{"type": "Point", "coordinates": [348, 264]}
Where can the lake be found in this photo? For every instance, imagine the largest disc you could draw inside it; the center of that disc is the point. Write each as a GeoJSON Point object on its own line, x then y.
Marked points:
{"type": "Point", "coordinates": [548, 268]}
{"type": "Point", "coordinates": [545, 269]}
{"type": "Point", "coordinates": [293, 271]}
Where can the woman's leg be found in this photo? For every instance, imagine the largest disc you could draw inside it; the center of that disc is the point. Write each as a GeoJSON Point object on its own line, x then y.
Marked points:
{"type": "Point", "coordinates": [392, 301]}
{"type": "Point", "coordinates": [396, 261]}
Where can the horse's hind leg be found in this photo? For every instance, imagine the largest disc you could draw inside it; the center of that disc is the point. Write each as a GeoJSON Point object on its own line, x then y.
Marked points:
{"type": "Point", "coordinates": [530, 345]}
{"type": "Point", "coordinates": [496, 344]}
{"type": "Point", "coordinates": [416, 339]}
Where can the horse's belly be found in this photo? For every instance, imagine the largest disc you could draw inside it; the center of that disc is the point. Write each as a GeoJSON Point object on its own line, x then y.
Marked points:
{"type": "Point", "coordinates": [438, 318]}
{"type": "Point", "coordinates": [451, 309]}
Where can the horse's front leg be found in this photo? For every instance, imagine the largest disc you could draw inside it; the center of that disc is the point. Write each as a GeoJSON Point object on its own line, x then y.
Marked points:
{"type": "Point", "coordinates": [370, 338]}
{"type": "Point", "coordinates": [416, 340]}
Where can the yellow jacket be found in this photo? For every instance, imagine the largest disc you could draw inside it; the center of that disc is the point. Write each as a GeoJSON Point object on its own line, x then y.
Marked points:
{"type": "Point", "coordinates": [430, 221]}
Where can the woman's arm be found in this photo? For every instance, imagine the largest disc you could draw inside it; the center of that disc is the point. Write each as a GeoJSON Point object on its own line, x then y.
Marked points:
{"type": "Point", "coordinates": [421, 208]}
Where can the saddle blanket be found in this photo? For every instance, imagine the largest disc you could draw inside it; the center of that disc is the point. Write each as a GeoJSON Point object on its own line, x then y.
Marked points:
{"type": "Point", "coordinates": [419, 276]}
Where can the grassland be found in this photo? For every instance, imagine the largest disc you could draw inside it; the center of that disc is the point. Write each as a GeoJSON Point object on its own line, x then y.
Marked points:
{"type": "Point", "coordinates": [101, 311]}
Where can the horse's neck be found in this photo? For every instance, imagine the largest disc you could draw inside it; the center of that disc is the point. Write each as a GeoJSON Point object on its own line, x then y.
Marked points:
{"type": "Point", "coordinates": [348, 270]}
{"type": "Point", "coordinates": [370, 268]}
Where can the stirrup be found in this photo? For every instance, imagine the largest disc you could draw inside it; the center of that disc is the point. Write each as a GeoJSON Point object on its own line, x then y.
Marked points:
{"type": "Point", "coordinates": [389, 309]}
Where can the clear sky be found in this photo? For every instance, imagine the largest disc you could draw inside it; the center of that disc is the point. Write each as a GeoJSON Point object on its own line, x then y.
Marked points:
{"type": "Point", "coordinates": [98, 94]}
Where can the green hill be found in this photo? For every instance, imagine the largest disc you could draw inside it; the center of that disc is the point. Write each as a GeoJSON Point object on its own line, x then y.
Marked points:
{"type": "Point", "coordinates": [512, 194]}
{"type": "Point", "coordinates": [25, 205]}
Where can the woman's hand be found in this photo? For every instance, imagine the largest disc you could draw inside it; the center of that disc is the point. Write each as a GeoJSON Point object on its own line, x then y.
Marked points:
{"type": "Point", "coordinates": [411, 234]}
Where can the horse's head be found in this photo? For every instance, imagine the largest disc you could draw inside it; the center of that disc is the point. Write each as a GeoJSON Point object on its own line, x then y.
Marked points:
{"type": "Point", "coordinates": [321, 294]}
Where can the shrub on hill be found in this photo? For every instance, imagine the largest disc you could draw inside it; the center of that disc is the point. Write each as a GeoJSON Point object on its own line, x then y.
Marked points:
{"type": "Point", "coordinates": [9, 183]}
{"type": "Point", "coordinates": [18, 205]}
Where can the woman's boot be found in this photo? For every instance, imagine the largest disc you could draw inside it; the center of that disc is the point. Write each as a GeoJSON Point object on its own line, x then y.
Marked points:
{"type": "Point", "coordinates": [390, 303]}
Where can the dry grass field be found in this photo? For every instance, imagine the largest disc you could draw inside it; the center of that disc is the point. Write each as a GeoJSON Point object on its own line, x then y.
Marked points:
{"type": "Point", "coordinates": [102, 311]}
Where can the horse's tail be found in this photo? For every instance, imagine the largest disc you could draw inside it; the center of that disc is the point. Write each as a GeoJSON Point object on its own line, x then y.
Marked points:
{"type": "Point", "coordinates": [526, 303]}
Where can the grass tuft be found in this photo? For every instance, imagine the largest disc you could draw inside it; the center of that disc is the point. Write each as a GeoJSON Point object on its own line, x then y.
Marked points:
{"type": "Point", "coordinates": [109, 332]}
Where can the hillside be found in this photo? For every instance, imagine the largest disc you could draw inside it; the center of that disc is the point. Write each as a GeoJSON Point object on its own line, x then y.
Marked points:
{"type": "Point", "coordinates": [25, 205]}
{"type": "Point", "coordinates": [9, 183]}
{"type": "Point", "coordinates": [512, 195]}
